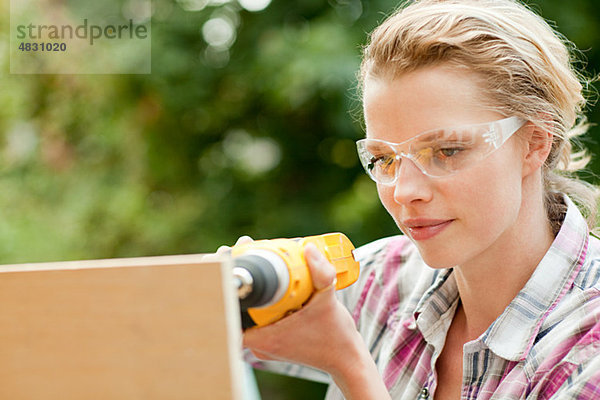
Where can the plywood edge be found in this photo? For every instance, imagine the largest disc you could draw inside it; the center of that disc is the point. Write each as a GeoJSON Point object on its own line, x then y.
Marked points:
{"type": "Point", "coordinates": [234, 328]}
{"type": "Point", "coordinates": [186, 259]}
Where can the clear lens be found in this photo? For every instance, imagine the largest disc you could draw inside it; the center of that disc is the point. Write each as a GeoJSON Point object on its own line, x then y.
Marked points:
{"type": "Point", "coordinates": [379, 159]}
{"type": "Point", "coordinates": [436, 153]}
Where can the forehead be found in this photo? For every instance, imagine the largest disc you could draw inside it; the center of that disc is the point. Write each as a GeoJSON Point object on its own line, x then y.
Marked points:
{"type": "Point", "coordinates": [397, 109]}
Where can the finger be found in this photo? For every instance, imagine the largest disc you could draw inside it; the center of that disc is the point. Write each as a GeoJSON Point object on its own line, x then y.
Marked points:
{"type": "Point", "coordinates": [321, 270]}
{"type": "Point", "coordinates": [241, 240]}
{"type": "Point", "coordinates": [211, 257]}
{"type": "Point", "coordinates": [218, 255]}
{"type": "Point", "coordinates": [223, 250]}
{"type": "Point", "coordinates": [261, 356]}
{"type": "Point", "coordinates": [244, 240]}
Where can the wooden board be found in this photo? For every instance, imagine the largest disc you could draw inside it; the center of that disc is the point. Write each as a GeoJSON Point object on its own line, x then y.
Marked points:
{"type": "Point", "coordinates": [139, 328]}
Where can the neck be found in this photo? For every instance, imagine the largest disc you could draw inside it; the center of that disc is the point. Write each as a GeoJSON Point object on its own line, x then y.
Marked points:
{"type": "Point", "coordinates": [490, 282]}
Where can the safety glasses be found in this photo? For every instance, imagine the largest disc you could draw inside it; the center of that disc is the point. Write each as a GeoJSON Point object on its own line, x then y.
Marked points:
{"type": "Point", "coordinates": [437, 152]}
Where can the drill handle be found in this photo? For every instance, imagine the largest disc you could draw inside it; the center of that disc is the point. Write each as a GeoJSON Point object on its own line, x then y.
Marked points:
{"type": "Point", "coordinates": [338, 250]}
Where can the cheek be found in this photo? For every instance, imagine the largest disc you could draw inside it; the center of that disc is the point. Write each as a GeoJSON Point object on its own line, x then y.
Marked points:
{"type": "Point", "coordinates": [386, 196]}
{"type": "Point", "coordinates": [491, 193]}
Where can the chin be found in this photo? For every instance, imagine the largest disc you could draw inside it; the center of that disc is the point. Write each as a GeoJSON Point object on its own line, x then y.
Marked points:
{"type": "Point", "coordinates": [440, 257]}
{"type": "Point", "coordinates": [439, 264]}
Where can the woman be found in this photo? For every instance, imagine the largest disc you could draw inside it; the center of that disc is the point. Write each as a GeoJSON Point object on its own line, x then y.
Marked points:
{"type": "Point", "coordinates": [492, 291]}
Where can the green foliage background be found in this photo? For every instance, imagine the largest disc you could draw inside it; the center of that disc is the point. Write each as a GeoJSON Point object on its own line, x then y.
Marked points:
{"type": "Point", "coordinates": [257, 139]}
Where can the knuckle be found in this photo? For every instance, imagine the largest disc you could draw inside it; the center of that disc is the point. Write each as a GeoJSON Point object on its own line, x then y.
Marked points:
{"type": "Point", "coordinates": [223, 249]}
{"type": "Point", "coordinates": [244, 239]}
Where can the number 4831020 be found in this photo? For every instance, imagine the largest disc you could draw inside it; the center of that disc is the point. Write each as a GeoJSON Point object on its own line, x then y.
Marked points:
{"type": "Point", "coordinates": [42, 46]}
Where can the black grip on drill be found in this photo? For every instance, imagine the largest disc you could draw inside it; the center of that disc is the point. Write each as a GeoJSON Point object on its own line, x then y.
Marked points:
{"type": "Point", "coordinates": [264, 277]}
{"type": "Point", "coordinates": [247, 321]}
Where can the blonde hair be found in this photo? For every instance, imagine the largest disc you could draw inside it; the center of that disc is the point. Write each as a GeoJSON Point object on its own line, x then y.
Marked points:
{"type": "Point", "coordinates": [527, 68]}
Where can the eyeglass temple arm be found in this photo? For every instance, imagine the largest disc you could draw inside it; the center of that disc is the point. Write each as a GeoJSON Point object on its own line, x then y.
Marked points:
{"type": "Point", "coordinates": [501, 130]}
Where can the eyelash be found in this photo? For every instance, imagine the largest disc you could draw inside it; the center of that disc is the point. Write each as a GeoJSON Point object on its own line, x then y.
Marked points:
{"type": "Point", "coordinates": [376, 159]}
{"type": "Point", "coordinates": [454, 150]}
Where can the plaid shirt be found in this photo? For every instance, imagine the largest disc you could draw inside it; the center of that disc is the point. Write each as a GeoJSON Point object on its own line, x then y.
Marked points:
{"type": "Point", "coordinates": [546, 343]}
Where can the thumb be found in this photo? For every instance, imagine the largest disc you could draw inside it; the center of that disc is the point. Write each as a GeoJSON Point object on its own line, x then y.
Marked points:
{"type": "Point", "coordinates": [321, 270]}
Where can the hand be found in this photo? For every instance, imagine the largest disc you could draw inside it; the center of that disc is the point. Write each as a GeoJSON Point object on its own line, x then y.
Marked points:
{"type": "Point", "coordinates": [223, 250]}
{"type": "Point", "coordinates": [299, 337]}
{"type": "Point", "coordinates": [323, 335]}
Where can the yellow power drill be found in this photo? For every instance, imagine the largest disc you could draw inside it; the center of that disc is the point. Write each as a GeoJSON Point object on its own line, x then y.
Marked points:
{"type": "Point", "coordinates": [273, 279]}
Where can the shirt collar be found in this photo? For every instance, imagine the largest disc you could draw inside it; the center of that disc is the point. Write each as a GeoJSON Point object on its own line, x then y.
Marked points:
{"type": "Point", "coordinates": [435, 310]}
{"type": "Point", "coordinates": [511, 336]}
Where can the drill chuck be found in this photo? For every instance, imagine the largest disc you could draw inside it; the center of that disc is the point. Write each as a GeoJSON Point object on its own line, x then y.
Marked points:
{"type": "Point", "coordinates": [263, 278]}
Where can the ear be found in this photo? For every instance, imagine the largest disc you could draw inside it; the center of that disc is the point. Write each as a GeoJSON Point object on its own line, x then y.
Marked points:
{"type": "Point", "coordinates": [537, 145]}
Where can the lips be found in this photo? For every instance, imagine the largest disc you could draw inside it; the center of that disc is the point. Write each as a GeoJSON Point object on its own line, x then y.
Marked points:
{"type": "Point", "coordinates": [423, 229]}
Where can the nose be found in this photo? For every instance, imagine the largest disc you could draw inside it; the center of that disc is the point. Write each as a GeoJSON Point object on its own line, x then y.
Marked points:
{"type": "Point", "coordinates": [411, 183]}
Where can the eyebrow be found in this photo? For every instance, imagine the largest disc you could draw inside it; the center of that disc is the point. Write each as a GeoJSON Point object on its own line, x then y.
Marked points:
{"type": "Point", "coordinates": [380, 147]}
{"type": "Point", "coordinates": [448, 133]}
{"type": "Point", "coordinates": [429, 135]}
